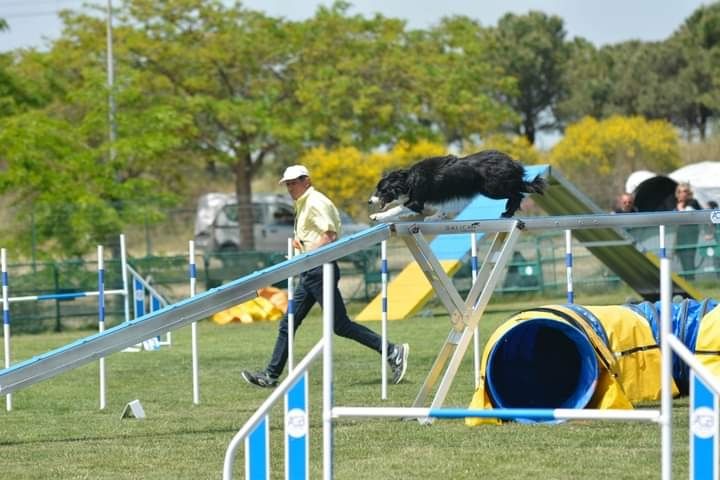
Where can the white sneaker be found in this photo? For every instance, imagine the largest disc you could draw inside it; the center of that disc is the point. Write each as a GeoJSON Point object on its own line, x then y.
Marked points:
{"type": "Point", "coordinates": [398, 362]}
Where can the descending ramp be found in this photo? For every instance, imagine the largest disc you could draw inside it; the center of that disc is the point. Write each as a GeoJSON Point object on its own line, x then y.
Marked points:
{"type": "Point", "coordinates": [174, 316]}
{"type": "Point", "coordinates": [410, 289]}
{"type": "Point", "coordinates": [612, 246]}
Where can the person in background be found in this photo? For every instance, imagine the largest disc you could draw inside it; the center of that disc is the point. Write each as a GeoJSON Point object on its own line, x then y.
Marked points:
{"type": "Point", "coordinates": [687, 236]}
{"type": "Point", "coordinates": [317, 223]}
{"type": "Point", "coordinates": [625, 204]}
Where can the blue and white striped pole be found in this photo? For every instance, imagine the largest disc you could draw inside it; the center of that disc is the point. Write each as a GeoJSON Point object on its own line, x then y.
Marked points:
{"type": "Point", "coordinates": [476, 332]}
{"type": "Point", "coordinates": [291, 311]}
{"type": "Point", "coordinates": [257, 448]}
{"type": "Point", "coordinates": [665, 359]}
{"type": "Point", "coordinates": [124, 273]}
{"type": "Point", "coordinates": [297, 429]}
{"type": "Point", "coordinates": [384, 319]}
{"type": "Point", "coordinates": [569, 267]}
{"type": "Point", "coordinates": [704, 429]}
{"type": "Point", "coordinates": [101, 322]}
{"type": "Point", "coordinates": [193, 327]}
{"type": "Point", "coordinates": [6, 321]}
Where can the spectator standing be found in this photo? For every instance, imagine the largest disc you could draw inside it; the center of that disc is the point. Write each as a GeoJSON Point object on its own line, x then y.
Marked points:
{"type": "Point", "coordinates": [687, 236]}
{"type": "Point", "coordinates": [625, 204]}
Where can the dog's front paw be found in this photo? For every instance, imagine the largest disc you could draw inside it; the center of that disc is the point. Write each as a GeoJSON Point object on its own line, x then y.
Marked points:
{"type": "Point", "coordinates": [374, 217]}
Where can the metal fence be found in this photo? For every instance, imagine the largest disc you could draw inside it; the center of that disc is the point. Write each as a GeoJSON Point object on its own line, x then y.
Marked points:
{"type": "Point", "coordinates": [537, 268]}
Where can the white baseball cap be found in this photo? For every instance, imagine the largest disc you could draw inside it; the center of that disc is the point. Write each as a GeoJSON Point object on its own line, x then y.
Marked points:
{"type": "Point", "coordinates": [294, 171]}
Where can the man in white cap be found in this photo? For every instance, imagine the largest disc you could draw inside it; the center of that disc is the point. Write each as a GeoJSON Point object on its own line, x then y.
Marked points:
{"type": "Point", "coordinates": [317, 223]}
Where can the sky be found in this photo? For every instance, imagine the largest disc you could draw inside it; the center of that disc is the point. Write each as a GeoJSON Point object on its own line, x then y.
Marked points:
{"type": "Point", "coordinates": [34, 22]}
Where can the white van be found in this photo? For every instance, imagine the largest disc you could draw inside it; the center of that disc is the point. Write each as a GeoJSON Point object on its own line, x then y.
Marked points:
{"type": "Point", "coordinates": [216, 223]}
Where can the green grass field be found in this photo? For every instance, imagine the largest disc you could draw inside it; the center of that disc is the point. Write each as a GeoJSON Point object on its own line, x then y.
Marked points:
{"type": "Point", "coordinates": [56, 429]}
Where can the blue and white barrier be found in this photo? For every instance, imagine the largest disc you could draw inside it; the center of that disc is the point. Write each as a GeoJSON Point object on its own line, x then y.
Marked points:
{"type": "Point", "coordinates": [704, 430]}
{"type": "Point", "coordinates": [705, 408]}
{"type": "Point", "coordinates": [297, 431]}
{"type": "Point", "coordinates": [6, 321]}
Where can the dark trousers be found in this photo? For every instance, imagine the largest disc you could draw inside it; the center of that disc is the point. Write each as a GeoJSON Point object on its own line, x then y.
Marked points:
{"type": "Point", "coordinates": [308, 292]}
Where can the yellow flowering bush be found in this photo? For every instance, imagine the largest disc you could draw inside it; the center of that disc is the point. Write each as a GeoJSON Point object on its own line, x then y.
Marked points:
{"type": "Point", "coordinates": [598, 155]}
{"type": "Point", "coordinates": [349, 176]}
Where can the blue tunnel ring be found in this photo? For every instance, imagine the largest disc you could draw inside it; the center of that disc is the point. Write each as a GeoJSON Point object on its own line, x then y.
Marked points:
{"type": "Point", "coordinates": [542, 363]}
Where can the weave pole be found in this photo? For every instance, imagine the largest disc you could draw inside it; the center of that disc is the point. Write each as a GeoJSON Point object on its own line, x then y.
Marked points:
{"type": "Point", "coordinates": [384, 319]}
{"type": "Point", "coordinates": [476, 331]}
{"type": "Point", "coordinates": [665, 358]}
{"type": "Point", "coordinates": [6, 322]}
{"type": "Point", "coordinates": [569, 267]}
{"type": "Point", "coordinates": [124, 271]}
{"type": "Point", "coordinates": [290, 310]}
{"type": "Point", "coordinates": [328, 321]}
{"type": "Point", "coordinates": [193, 326]}
{"type": "Point", "coordinates": [101, 323]}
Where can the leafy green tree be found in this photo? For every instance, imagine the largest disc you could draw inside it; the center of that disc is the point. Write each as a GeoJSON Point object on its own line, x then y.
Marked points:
{"type": "Point", "coordinates": [58, 166]}
{"type": "Point", "coordinates": [225, 68]}
{"type": "Point", "coordinates": [698, 44]}
{"type": "Point", "coordinates": [458, 93]}
{"type": "Point", "coordinates": [351, 78]}
{"type": "Point", "coordinates": [532, 49]}
{"type": "Point", "coordinates": [588, 83]}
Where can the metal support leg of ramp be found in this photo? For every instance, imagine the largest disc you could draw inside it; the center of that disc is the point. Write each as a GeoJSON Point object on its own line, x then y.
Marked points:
{"type": "Point", "coordinates": [464, 315]}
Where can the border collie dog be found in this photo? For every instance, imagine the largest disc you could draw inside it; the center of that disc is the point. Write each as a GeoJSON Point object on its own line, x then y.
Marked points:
{"type": "Point", "coordinates": [403, 193]}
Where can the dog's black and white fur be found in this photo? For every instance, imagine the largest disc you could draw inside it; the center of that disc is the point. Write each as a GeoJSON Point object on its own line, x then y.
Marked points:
{"type": "Point", "coordinates": [403, 193]}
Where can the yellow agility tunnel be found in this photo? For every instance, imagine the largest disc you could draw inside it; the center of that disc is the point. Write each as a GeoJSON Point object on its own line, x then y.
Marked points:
{"type": "Point", "coordinates": [572, 356]}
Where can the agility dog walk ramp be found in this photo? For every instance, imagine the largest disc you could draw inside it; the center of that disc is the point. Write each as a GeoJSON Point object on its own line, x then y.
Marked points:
{"type": "Point", "coordinates": [94, 347]}
{"type": "Point", "coordinates": [465, 314]}
{"type": "Point", "coordinates": [410, 289]}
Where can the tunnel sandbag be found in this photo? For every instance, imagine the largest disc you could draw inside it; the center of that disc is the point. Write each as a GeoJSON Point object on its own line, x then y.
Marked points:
{"type": "Point", "coordinates": [549, 357]}
{"type": "Point", "coordinates": [687, 317]}
{"type": "Point", "coordinates": [707, 346]}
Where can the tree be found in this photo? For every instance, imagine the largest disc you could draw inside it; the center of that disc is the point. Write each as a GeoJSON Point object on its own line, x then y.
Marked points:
{"type": "Point", "coordinates": [698, 43]}
{"type": "Point", "coordinates": [59, 170]}
{"type": "Point", "coordinates": [370, 83]}
{"type": "Point", "coordinates": [532, 49]}
{"type": "Point", "coordinates": [458, 94]}
{"type": "Point", "coordinates": [599, 155]}
{"type": "Point", "coordinates": [588, 82]}
{"type": "Point", "coordinates": [352, 79]}
{"type": "Point", "coordinates": [226, 68]}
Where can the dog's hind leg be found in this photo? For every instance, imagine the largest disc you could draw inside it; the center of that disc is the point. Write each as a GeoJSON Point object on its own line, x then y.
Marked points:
{"type": "Point", "coordinates": [512, 206]}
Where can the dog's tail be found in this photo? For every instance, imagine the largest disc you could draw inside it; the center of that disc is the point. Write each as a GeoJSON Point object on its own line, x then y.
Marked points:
{"type": "Point", "coordinates": [537, 185]}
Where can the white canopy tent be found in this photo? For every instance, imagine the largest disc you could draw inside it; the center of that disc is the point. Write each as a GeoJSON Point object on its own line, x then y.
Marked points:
{"type": "Point", "coordinates": [704, 178]}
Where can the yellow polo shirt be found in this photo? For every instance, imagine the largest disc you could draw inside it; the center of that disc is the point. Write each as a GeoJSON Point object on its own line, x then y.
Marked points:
{"type": "Point", "coordinates": [315, 214]}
